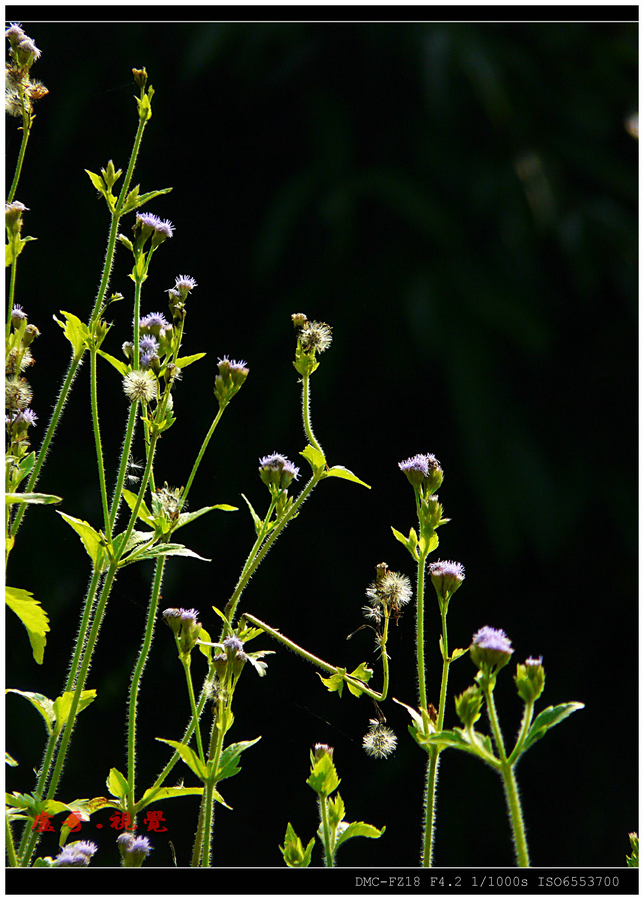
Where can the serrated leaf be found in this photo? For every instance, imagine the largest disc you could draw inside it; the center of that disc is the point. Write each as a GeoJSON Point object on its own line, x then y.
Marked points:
{"type": "Point", "coordinates": [43, 704]}
{"type": "Point", "coordinates": [10, 499]}
{"type": "Point", "coordinates": [336, 810]}
{"type": "Point", "coordinates": [63, 705]}
{"type": "Point", "coordinates": [334, 682]}
{"type": "Point", "coordinates": [341, 472]}
{"type": "Point", "coordinates": [547, 719]}
{"type": "Point", "coordinates": [256, 519]}
{"type": "Point", "coordinates": [76, 333]}
{"type": "Point", "coordinates": [117, 784]}
{"type": "Point", "coordinates": [135, 539]}
{"type": "Point", "coordinates": [32, 616]}
{"type": "Point", "coordinates": [314, 457]}
{"type": "Point", "coordinates": [121, 367]}
{"type": "Point", "coordinates": [189, 757]}
{"type": "Point", "coordinates": [92, 540]}
{"type": "Point", "coordinates": [359, 829]}
{"type": "Point", "coordinates": [144, 513]}
{"type": "Point", "coordinates": [324, 778]}
{"type": "Point", "coordinates": [185, 361]}
{"type": "Point", "coordinates": [295, 856]}
{"type": "Point", "coordinates": [228, 759]}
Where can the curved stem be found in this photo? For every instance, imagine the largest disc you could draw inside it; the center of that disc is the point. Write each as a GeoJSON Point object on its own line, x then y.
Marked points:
{"type": "Point", "coordinates": [306, 413]}
{"type": "Point", "coordinates": [193, 707]}
{"type": "Point", "coordinates": [200, 455]}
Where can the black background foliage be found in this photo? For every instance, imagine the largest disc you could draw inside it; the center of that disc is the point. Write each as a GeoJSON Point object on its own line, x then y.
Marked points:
{"type": "Point", "coordinates": [459, 202]}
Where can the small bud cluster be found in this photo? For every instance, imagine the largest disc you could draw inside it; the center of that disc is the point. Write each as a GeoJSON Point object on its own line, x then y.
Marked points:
{"type": "Point", "coordinates": [148, 227]}
{"type": "Point", "coordinates": [232, 374]}
{"type": "Point", "coordinates": [379, 741]}
{"type": "Point", "coordinates": [387, 595]}
{"type": "Point", "coordinates": [185, 628]}
{"type": "Point", "coordinates": [425, 475]}
{"type": "Point", "coordinates": [277, 472]}
{"type": "Point", "coordinates": [76, 855]}
{"type": "Point", "coordinates": [133, 849]}
{"type": "Point", "coordinates": [19, 418]}
{"type": "Point", "coordinates": [20, 90]}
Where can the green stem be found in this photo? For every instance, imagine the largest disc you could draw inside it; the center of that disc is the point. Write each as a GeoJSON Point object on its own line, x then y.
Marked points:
{"type": "Point", "coordinates": [306, 413]}
{"type": "Point", "coordinates": [326, 832]}
{"type": "Point", "coordinates": [431, 782]}
{"type": "Point", "coordinates": [136, 680]}
{"type": "Point", "coordinates": [420, 632]}
{"type": "Point", "coordinates": [525, 728]}
{"type": "Point", "coordinates": [99, 445]}
{"type": "Point", "coordinates": [193, 706]}
{"type": "Point", "coordinates": [509, 783]}
{"type": "Point", "coordinates": [200, 455]}
{"type": "Point", "coordinates": [516, 816]}
{"type": "Point", "coordinates": [11, 850]}
{"type": "Point", "coordinates": [125, 456]}
{"type": "Point", "coordinates": [207, 829]}
{"type": "Point", "coordinates": [12, 291]}
{"type": "Point", "coordinates": [26, 131]}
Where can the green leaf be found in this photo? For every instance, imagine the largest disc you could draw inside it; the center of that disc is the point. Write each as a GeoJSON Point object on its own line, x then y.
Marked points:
{"type": "Point", "coordinates": [190, 758]}
{"type": "Point", "coordinates": [76, 333]}
{"type": "Point", "coordinates": [9, 760]}
{"type": "Point", "coordinates": [144, 513]}
{"type": "Point", "coordinates": [427, 546]}
{"type": "Point", "coordinates": [334, 682]}
{"type": "Point", "coordinates": [256, 519]}
{"type": "Point", "coordinates": [166, 793]}
{"type": "Point", "coordinates": [185, 361]}
{"type": "Point", "coordinates": [314, 457]}
{"type": "Point", "coordinates": [63, 705]}
{"type": "Point", "coordinates": [162, 550]}
{"type": "Point", "coordinates": [547, 719]}
{"type": "Point", "coordinates": [295, 856]}
{"type": "Point", "coordinates": [121, 367]}
{"type": "Point", "coordinates": [341, 472]}
{"type": "Point", "coordinates": [117, 784]}
{"type": "Point", "coordinates": [92, 540]}
{"type": "Point", "coordinates": [229, 627]}
{"type": "Point", "coordinates": [98, 182]}
{"type": "Point", "coordinates": [186, 518]}
{"type": "Point", "coordinates": [456, 654]}
{"type": "Point", "coordinates": [43, 704]}
{"type": "Point", "coordinates": [32, 616]}
{"type": "Point", "coordinates": [411, 543]}
{"type": "Point", "coordinates": [359, 829]}
{"type": "Point", "coordinates": [323, 778]}
{"type": "Point", "coordinates": [336, 810]}
{"type": "Point", "coordinates": [228, 759]}
{"type": "Point", "coordinates": [362, 673]}
{"type": "Point", "coordinates": [136, 202]}
{"type": "Point", "coordinates": [135, 539]}
{"type": "Point", "coordinates": [10, 499]}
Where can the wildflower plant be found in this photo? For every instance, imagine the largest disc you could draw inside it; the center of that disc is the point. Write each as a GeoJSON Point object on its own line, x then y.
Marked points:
{"type": "Point", "coordinates": [140, 515]}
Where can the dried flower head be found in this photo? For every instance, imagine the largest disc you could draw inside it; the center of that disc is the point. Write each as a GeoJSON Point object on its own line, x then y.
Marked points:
{"type": "Point", "coordinates": [315, 336]}
{"type": "Point", "coordinates": [379, 741]}
{"type": "Point", "coordinates": [140, 385]}
{"type": "Point", "coordinates": [388, 593]}
{"type": "Point", "coordinates": [17, 393]}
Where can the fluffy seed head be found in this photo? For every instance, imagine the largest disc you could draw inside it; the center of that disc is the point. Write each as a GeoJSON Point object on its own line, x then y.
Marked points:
{"type": "Point", "coordinates": [379, 741]}
{"type": "Point", "coordinates": [316, 336]}
{"type": "Point", "coordinates": [140, 385]}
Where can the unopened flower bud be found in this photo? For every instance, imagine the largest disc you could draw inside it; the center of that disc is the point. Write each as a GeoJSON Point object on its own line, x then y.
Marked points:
{"type": "Point", "coordinates": [13, 217]}
{"type": "Point", "coordinates": [468, 706]}
{"type": "Point", "coordinates": [140, 77]}
{"type": "Point", "coordinates": [530, 680]}
{"type": "Point", "coordinates": [320, 750]}
{"type": "Point", "coordinates": [232, 374]}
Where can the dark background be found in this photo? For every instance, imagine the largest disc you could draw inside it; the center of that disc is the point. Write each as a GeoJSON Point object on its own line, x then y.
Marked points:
{"type": "Point", "coordinates": [459, 201]}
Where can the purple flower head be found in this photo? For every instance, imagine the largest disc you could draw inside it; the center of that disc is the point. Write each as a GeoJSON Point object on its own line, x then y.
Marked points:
{"type": "Point", "coordinates": [447, 577]}
{"type": "Point", "coordinates": [28, 416]}
{"type": "Point", "coordinates": [492, 639]}
{"type": "Point", "coordinates": [277, 471]}
{"type": "Point", "coordinates": [141, 845]}
{"type": "Point", "coordinates": [490, 650]}
{"type": "Point", "coordinates": [148, 219]}
{"type": "Point", "coordinates": [148, 344]}
{"type": "Point", "coordinates": [18, 313]}
{"type": "Point", "coordinates": [189, 615]}
{"type": "Point", "coordinates": [154, 322]}
{"type": "Point", "coordinates": [166, 228]}
{"type": "Point", "coordinates": [233, 643]}
{"type": "Point", "coordinates": [415, 466]}
{"type": "Point", "coordinates": [133, 849]}
{"type": "Point", "coordinates": [534, 662]}
{"type": "Point", "coordinates": [183, 285]}
{"type": "Point", "coordinates": [152, 226]}
{"type": "Point", "coordinates": [14, 30]}
{"type": "Point", "coordinates": [76, 855]}
{"type": "Point", "coordinates": [28, 47]}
